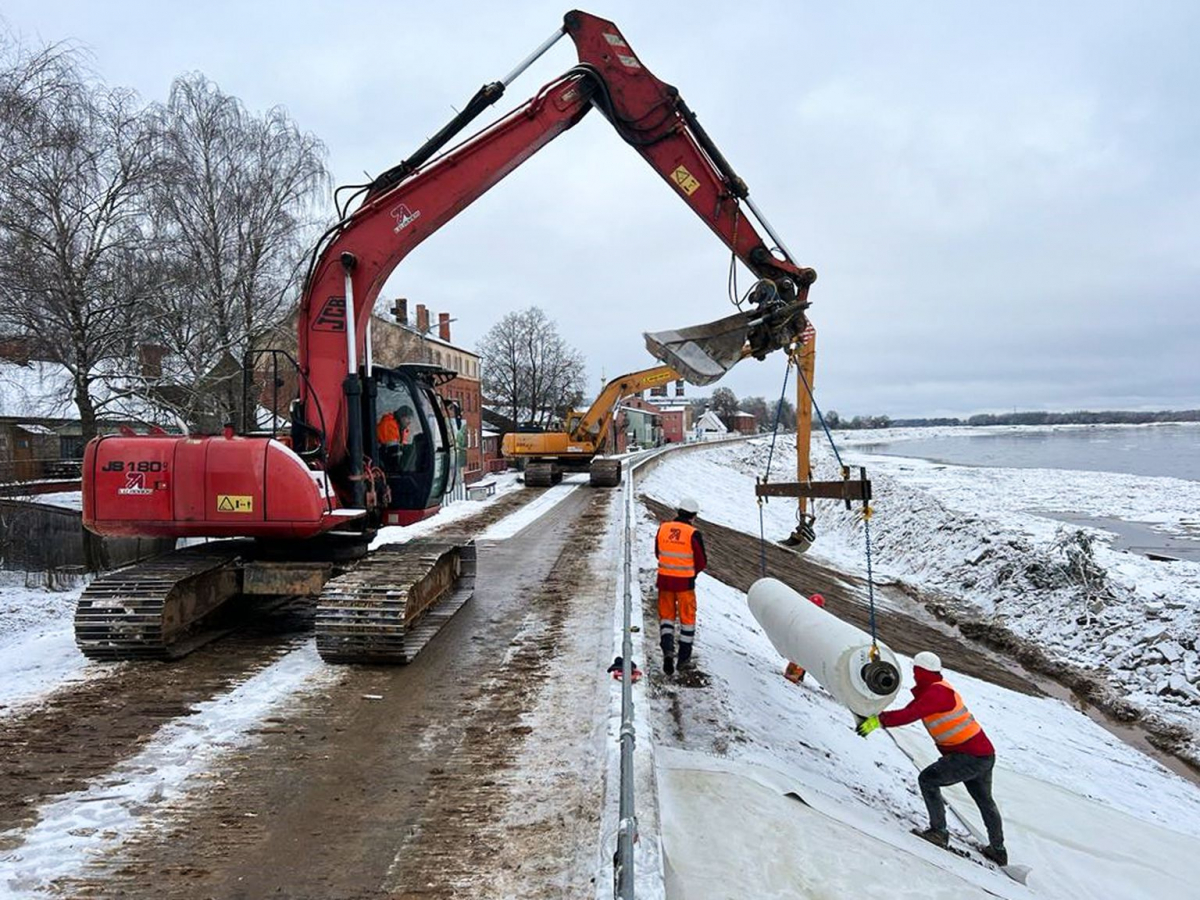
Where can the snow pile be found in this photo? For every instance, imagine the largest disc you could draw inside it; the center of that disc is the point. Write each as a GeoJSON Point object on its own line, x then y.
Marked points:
{"type": "Point", "coordinates": [963, 540]}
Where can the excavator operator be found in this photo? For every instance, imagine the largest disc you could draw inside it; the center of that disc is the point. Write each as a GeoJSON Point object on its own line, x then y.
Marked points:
{"type": "Point", "coordinates": [393, 433]}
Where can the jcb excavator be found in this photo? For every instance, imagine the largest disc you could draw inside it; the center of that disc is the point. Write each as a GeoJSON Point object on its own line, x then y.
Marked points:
{"type": "Point", "coordinates": [547, 454]}
{"type": "Point", "coordinates": [305, 505]}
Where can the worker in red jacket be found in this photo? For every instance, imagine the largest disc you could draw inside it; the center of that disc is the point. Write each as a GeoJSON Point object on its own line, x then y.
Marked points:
{"type": "Point", "coordinates": [968, 757]}
{"type": "Point", "coordinates": [679, 547]}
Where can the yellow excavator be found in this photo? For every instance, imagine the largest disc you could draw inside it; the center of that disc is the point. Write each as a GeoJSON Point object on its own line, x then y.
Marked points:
{"type": "Point", "coordinates": [547, 454]}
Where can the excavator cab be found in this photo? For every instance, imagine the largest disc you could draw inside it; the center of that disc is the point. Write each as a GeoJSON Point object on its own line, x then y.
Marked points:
{"type": "Point", "coordinates": [410, 439]}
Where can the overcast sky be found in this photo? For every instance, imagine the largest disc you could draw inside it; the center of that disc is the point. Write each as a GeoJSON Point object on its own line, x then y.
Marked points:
{"type": "Point", "coordinates": [1002, 201]}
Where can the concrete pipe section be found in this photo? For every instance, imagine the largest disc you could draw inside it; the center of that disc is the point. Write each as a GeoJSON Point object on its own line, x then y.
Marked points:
{"type": "Point", "coordinates": [836, 653]}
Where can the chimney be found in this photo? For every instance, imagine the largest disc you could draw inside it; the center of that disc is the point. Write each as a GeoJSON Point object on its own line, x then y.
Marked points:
{"type": "Point", "coordinates": [150, 356]}
{"type": "Point", "coordinates": [444, 326]}
{"type": "Point", "coordinates": [422, 319]}
{"type": "Point", "coordinates": [400, 310]}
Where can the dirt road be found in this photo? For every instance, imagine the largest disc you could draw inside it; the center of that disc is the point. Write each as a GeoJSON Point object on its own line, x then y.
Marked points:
{"type": "Point", "coordinates": [426, 791]}
{"type": "Point", "coordinates": [83, 730]}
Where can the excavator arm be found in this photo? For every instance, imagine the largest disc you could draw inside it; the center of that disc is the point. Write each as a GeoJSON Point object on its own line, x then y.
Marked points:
{"type": "Point", "coordinates": [408, 203]}
{"type": "Point", "coordinates": [593, 425]}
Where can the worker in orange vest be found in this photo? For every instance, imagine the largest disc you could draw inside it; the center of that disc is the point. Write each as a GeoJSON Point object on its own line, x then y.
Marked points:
{"type": "Point", "coordinates": [392, 429]}
{"type": "Point", "coordinates": [792, 672]}
{"type": "Point", "coordinates": [680, 551]}
{"type": "Point", "coordinates": [968, 757]}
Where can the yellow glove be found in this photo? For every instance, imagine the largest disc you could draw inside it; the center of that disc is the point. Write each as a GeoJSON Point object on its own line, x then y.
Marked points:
{"type": "Point", "coordinates": [867, 725]}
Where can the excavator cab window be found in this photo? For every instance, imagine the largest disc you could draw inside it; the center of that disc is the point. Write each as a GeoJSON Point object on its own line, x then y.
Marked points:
{"type": "Point", "coordinates": [410, 433]}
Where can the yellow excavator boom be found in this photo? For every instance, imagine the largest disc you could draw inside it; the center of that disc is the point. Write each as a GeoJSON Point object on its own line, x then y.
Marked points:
{"type": "Point", "coordinates": [586, 431]}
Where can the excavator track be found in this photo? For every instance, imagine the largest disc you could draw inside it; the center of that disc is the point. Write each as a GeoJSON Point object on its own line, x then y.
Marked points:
{"type": "Point", "coordinates": [149, 610]}
{"type": "Point", "coordinates": [394, 601]}
{"type": "Point", "coordinates": [542, 474]}
{"type": "Point", "coordinates": [605, 473]}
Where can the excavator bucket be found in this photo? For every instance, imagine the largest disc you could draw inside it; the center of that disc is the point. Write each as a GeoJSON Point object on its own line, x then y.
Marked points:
{"type": "Point", "coordinates": [702, 354]}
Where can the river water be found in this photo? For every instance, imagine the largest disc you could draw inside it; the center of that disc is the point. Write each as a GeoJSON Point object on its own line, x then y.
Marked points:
{"type": "Point", "coordinates": [1171, 450]}
{"type": "Point", "coordinates": [1159, 450]}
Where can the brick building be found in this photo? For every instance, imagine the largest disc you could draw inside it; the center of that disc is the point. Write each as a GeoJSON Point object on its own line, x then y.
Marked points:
{"type": "Point", "coordinates": [674, 411]}
{"type": "Point", "coordinates": [743, 423]}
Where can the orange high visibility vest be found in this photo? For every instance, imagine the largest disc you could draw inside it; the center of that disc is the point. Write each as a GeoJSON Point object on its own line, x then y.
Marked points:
{"type": "Point", "coordinates": [388, 430]}
{"type": "Point", "coordinates": [674, 543]}
{"type": "Point", "coordinates": [953, 727]}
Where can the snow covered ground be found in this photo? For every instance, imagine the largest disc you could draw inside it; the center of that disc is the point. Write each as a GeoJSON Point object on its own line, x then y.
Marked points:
{"type": "Point", "coordinates": [1093, 817]}
{"type": "Point", "coordinates": [965, 537]}
{"type": "Point", "coordinates": [80, 826]}
{"type": "Point", "coordinates": [506, 483]}
{"type": "Point", "coordinates": [64, 499]}
{"type": "Point", "coordinates": [37, 642]}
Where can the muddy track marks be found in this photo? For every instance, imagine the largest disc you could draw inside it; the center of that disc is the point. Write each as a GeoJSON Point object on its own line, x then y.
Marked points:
{"type": "Point", "coordinates": [80, 733]}
{"type": "Point", "coordinates": [462, 830]}
{"type": "Point", "coordinates": [395, 781]}
{"type": "Point", "coordinates": [83, 730]}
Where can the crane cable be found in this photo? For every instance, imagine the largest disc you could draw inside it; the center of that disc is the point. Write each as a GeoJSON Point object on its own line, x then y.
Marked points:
{"type": "Point", "coordinates": [762, 536]}
{"type": "Point", "coordinates": [865, 513]}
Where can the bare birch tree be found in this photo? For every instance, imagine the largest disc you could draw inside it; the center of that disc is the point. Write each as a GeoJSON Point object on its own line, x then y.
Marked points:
{"type": "Point", "coordinates": [76, 160]}
{"type": "Point", "coordinates": [528, 367]}
{"type": "Point", "coordinates": [235, 209]}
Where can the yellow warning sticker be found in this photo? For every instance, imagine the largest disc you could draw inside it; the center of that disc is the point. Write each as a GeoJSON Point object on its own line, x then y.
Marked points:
{"type": "Point", "coordinates": [235, 503]}
{"type": "Point", "coordinates": [686, 182]}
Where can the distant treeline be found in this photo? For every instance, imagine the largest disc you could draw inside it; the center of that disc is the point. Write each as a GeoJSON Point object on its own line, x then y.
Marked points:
{"type": "Point", "coordinates": [1082, 417]}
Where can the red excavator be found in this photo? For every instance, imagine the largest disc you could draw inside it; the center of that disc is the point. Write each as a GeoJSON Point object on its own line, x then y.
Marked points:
{"type": "Point", "coordinates": [304, 506]}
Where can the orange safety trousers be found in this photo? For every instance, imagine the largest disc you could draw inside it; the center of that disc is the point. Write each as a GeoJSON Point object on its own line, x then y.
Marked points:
{"type": "Point", "coordinates": [679, 605]}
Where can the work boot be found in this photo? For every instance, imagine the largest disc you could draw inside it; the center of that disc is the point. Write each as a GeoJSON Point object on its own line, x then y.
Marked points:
{"type": "Point", "coordinates": [937, 838]}
{"type": "Point", "coordinates": [685, 654]}
{"type": "Point", "coordinates": [998, 855]}
{"type": "Point", "coordinates": [669, 665]}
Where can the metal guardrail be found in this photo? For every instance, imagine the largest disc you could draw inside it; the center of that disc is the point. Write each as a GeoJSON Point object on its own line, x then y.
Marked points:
{"type": "Point", "coordinates": [627, 833]}
{"type": "Point", "coordinates": [626, 815]}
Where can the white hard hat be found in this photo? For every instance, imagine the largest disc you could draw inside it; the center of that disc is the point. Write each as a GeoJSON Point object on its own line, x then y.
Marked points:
{"type": "Point", "coordinates": [930, 662]}
{"type": "Point", "coordinates": [689, 505]}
